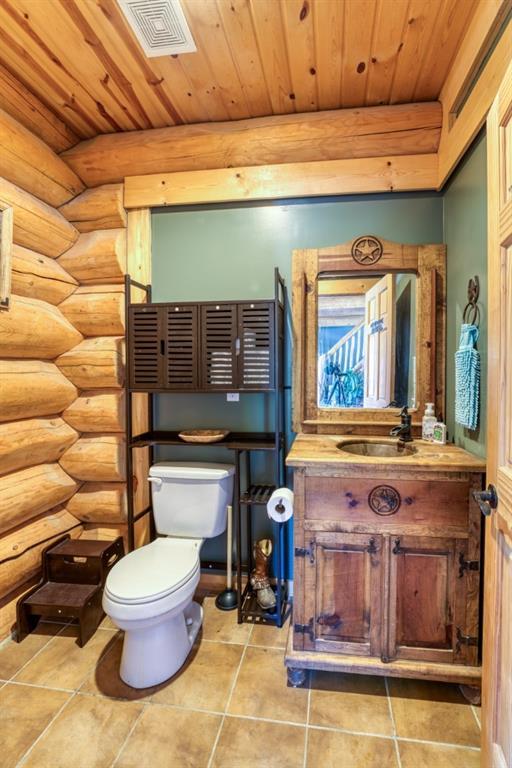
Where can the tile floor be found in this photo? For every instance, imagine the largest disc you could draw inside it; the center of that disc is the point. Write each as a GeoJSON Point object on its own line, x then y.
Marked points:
{"type": "Point", "coordinates": [229, 707]}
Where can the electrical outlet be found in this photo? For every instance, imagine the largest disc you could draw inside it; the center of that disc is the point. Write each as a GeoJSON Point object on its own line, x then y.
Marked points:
{"type": "Point", "coordinates": [233, 397]}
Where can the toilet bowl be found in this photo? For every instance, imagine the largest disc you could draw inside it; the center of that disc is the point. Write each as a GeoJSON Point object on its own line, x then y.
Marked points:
{"type": "Point", "coordinates": [149, 592]}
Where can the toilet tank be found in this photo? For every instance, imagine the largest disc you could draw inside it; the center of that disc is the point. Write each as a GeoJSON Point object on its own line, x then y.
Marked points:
{"type": "Point", "coordinates": [190, 498]}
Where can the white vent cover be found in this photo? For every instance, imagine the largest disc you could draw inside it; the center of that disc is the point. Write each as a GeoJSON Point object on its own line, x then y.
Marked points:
{"type": "Point", "coordinates": [159, 25]}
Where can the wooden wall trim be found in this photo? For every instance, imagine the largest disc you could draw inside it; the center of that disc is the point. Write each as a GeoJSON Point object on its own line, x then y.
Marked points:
{"type": "Point", "coordinates": [405, 129]}
{"type": "Point", "coordinates": [268, 182]}
{"type": "Point", "coordinates": [459, 129]}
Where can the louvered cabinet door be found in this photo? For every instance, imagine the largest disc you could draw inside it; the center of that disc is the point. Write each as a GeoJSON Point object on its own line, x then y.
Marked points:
{"type": "Point", "coordinates": [256, 350]}
{"type": "Point", "coordinates": [218, 346]}
{"type": "Point", "coordinates": [145, 352]}
{"type": "Point", "coordinates": [181, 337]}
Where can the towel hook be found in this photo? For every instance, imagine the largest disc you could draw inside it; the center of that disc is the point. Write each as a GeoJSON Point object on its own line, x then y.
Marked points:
{"type": "Point", "coordinates": [471, 314]}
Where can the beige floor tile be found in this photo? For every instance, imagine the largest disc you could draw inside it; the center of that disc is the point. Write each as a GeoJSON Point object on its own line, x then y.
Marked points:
{"type": "Point", "coordinates": [62, 663]}
{"type": "Point", "coordinates": [13, 656]}
{"type": "Point", "coordinates": [351, 702]}
{"type": "Point", "coordinates": [269, 636]}
{"type": "Point", "coordinates": [258, 744]}
{"type": "Point", "coordinates": [88, 733]}
{"type": "Point", "coordinates": [433, 712]}
{"type": "Point", "coordinates": [24, 714]}
{"type": "Point", "coordinates": [437, 756]}
{"type": "Point", "coordinates": [222, 625]}
{"type": "Point", "coordinates": [261, 689]}
{"type": "Point", "coordinates": [478, 714]}
{"type": "Point", "coordinates": [329, 749]}
{"type": "Point", "coordinates": [104, 679]}
{"type": "Point", "coordinates": [205, 680]}
{"type": "Point", "coordinates": [168, 738]}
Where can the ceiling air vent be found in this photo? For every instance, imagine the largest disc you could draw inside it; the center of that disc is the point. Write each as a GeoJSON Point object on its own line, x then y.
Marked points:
{"type": "Point", "coordinates": [159, 25]}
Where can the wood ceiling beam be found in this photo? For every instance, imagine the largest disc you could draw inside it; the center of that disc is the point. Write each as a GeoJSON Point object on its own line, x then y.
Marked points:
{"type": "Point", "coordinates": [267, 182]}
{"type": "Point", "coordinates": [407, 129]}
{"type": "Point", "coordinates": [473, 82]}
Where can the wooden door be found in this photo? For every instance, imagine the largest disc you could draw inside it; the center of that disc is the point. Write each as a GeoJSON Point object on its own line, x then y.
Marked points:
{"type": "Point", "coordinates": [497, 642]}
{"type": "Point", "coordinates": [256, 342]}
{"type": "Point", "coordinates": [218, 346]}
{"type": "Point", "coordinates": [427, 600]}
{"type": "Point", "coordinates": [145, 351]}
{"type": "Point", "coordinates": [379, 363]}
{"type": "Point", "coordinates": [342, 586]}
{"type": "Point", "coordinates": [180, 330]}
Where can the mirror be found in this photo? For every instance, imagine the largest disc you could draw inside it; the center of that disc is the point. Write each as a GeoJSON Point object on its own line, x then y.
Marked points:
{"type": "Point", "coordinates": [366, 343]}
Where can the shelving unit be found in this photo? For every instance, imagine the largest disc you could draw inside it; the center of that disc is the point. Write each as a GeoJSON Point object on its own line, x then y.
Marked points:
{"type": "Point", "coordinates": [175, 348]}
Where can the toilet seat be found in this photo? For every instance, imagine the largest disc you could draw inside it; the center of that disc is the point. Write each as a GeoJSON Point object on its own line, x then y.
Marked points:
{"type": "Point", "coordinates": [153, 572]}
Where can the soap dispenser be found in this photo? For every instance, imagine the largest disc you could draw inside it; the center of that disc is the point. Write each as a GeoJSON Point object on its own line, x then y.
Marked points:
{"type": "Point", "coordinates": [428, 423]}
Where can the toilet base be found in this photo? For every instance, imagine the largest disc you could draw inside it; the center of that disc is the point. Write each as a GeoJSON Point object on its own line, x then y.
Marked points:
{"type": "Point", "coordinates": [154, 653]}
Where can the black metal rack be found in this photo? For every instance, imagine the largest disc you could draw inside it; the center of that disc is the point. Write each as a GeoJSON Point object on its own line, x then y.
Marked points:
{"type": "Point", "coordinates": [241, 443]}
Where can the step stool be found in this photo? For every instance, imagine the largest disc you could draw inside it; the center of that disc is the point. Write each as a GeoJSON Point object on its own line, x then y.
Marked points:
{"type": "Point", "coordinates": [74, 574]}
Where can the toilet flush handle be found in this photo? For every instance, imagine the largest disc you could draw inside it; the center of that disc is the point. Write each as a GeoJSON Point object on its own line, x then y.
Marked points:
{"type": "Point", "coordinates": [157, 480]}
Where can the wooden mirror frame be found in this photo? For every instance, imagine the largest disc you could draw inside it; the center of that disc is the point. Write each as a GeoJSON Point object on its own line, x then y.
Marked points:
{"type": "Point", "coordinates": [366, 255]}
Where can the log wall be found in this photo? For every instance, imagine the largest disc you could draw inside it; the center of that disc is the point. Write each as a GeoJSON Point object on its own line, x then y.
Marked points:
{"type": "Point", "coordinates": [34, 391]}
{"type": "Point", "coordinates": [96, 365]}
{"type": "Point", "coordinates": [62, 361]}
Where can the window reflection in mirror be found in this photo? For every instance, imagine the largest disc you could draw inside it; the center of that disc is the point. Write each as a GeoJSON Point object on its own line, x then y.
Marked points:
{"type": "Point", "coordinates": [366, 348]}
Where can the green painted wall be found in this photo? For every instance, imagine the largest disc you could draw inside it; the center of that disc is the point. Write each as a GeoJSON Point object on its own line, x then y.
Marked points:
{"type": "Point", "coordinates": [229, 252]}
{"type": "Point", "coordinates": [465, 234]}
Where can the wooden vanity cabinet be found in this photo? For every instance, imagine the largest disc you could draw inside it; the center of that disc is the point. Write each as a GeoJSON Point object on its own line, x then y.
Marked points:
{"type": "Point", "coordinates": [386, 573]}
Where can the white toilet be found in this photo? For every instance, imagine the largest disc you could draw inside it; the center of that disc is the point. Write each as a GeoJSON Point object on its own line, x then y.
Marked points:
{"type": "Point", "coordinates": [149, 592]}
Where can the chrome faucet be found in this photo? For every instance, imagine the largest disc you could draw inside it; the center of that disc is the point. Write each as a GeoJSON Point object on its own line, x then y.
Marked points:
{"type": "Point", "coordinates": [403, 430]}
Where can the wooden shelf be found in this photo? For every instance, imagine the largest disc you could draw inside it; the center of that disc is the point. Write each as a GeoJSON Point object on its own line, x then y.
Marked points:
{"type": "Point", "coordinates": [236, 441]}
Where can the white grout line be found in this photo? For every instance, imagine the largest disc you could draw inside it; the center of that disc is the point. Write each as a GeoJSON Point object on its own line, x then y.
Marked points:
{"type": "Point", "coordinates": [392, 716]}
{"type": "Point", "coordinates": [54, 718]}
{"type": "Point", "coordinates": [50, 638]}
{"type": "Point", "coordinates": [438, 743]}
{"type": "Point", "coordinates": [48, 687]}
{"type": "Point", "coordinates": [306, 736]}
{"type": "Point", "coordinates": [125, 742]}
{"type": "Point", "coordinates": [230, 695]}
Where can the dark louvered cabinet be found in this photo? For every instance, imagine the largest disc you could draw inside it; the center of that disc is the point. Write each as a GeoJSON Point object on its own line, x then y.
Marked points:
{"type": "Point", "coordinates": [218, 346]}
{"type": "Point", "coordinates": [145, 348]}
{"type": "Point", "coordinates": [181, 349]}
{"type": "Point", "coordinates": [202, 347]}
{"type": "Point", "coordinates": [255, 335]}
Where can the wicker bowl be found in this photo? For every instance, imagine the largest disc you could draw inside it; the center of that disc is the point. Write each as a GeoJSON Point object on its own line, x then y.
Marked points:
{"type": "Point", "coordinates": [203, 435]}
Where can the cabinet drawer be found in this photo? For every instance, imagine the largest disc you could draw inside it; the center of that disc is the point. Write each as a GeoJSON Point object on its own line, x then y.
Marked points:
{"type": "Point", "coordinates": [367, 500]}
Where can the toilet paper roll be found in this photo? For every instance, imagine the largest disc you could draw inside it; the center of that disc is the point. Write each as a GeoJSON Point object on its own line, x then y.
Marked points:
{"type": "Point", "coordinates": [280, 505]}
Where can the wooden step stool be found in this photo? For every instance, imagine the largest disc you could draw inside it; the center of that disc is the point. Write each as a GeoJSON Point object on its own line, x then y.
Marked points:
{"type": "Point", "coordinates": [74, 574]}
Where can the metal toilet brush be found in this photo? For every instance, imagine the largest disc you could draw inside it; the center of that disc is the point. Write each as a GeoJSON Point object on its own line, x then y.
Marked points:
{"type": "Point", "coordinates": [227, 600]}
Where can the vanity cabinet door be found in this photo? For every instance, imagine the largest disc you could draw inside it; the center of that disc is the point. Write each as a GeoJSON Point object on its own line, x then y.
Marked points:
{"type": "Point", "coordinates": [427, 599]}
{"type": "Point", "coordinates": [343, 587]}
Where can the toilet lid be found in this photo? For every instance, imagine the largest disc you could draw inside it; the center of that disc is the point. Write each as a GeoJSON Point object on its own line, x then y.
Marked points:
{"type": "Point", "coordinates": [153, 571]}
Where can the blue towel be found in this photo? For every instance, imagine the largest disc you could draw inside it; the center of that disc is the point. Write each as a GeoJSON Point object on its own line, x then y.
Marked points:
{"type": "Point", "coordinates": [467, 377]}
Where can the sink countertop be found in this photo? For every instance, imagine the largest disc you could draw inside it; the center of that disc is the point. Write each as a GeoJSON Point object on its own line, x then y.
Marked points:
{"type": "Point", "coordinates": [322, 450]}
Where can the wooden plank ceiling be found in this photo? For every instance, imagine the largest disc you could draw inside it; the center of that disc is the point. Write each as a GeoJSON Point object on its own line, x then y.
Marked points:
{"type": "Point", "coordinates": [254, 58]}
